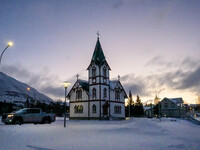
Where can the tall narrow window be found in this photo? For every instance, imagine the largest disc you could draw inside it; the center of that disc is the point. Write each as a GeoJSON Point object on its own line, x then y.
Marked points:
{"type": "Point", "coordinates": [105, 93]}
{"type": "Point", "coordinates": [165, 105]}
{"type": "Point", "coordinates": [93, 72]}
{"type": "Point", "coordinates": [94, 92]}
{"type": "Point", "coordinates": [75, 109]}
{"type": "Point", "coordinates": [79, 95]}
{"type": "Point", "coordinates": [104, 71]}
{"type": "Point", "coordinates": [117, 95]}
{"type": "Point", "coordinates": [94, 109]}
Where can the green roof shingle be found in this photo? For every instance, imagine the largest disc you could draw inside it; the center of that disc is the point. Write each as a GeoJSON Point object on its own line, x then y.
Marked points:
{"type": "Point", "coordinates": [98, 55]}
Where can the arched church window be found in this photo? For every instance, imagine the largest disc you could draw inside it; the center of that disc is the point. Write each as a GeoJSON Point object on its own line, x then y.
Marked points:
{"type": "Point", "coordinates": [104, 72]}
{"type": "Point", "coordinates": [94, 109]}
{"type": "Point", "coordinates": [75, 109]}
{"type": "Point", "coordinates": [94, 92]}
{"type": "Point", "coordinates": [117, 109]}
{"type": "Point", "coordinates": [93, 71]}
{"type": "Point", "coordinates": [117, 95]}
{"type": "Point", "coordinates": [79, 109]}
{"type": "Point", "coordinates": [79, 95]}
{"type": "Point", "coordinates": [105, 93]}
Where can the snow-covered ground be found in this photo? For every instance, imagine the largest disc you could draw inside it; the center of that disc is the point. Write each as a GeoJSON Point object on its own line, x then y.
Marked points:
{"type": "Point", "coordinates": [132, 134]}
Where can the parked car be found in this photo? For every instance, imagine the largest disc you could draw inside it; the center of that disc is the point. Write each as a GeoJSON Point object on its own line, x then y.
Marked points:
{"type": "Point", "coordinates": [28, 115]}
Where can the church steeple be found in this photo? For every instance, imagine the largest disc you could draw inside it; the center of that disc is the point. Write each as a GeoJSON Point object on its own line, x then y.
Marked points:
{"type": "Point", "coordinates": [98, 55]}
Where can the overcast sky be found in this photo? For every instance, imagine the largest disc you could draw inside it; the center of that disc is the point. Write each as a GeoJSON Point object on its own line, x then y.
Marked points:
{"type": "Point", "coordinates": [151, 44]}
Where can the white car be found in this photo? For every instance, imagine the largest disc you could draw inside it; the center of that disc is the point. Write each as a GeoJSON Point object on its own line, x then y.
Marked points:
{"type": "Point", "coordinates": [28, 115]}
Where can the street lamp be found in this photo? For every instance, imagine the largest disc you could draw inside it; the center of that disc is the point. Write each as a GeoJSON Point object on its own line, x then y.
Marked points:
{"type": "Point", "coordinates": [65, 83]}
{"type": "Point", "coordinates": [9, 44]}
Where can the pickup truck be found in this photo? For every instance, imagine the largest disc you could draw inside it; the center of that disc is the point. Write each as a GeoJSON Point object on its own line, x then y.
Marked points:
{"type": "Point", "coordinates": [28, 115]}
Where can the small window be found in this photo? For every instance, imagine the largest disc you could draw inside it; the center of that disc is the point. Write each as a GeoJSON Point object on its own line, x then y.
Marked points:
{"type": "Point", "coordinates": [94, 93]}
{"type": "Point", "coordinates": [79, 95]}
{"type": "Point", "coordinates": [78, 109]}
{"type": "Point", "coordinates": [35, 111]}
{"type": "Point", "coordinates": [94, 109]}
{"type": "Point", "coordinates": [93, 72]}
{"type": "Point", "coordinates": [117, 110]}
{"type": "Point", "coordinates": [104, 72]}
{"type": "Point", "coordinates": [117, 95]}
{"type": "Point", "coordinates": [75, 109]}
{"type": "Point", "coordinates": [173, 105]}
{"type": "Point", "coordinates": [105, 93]}
{"type": "Point", "coordinates": [165, 105]}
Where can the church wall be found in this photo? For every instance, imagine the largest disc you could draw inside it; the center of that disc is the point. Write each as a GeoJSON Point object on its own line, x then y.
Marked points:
{"type": "Point", "coordinates": [112, 105]}
{"type": "Point", "coordinates": [112, 96]}
{"type": "Point", "coordinates": [85, 109]}
{"type": "Point", "coordinates": [97, 91]}
{"type": "Point", "coordinates": [90, 70]}
{"type": "Point", "coordinates": [102, 92]}
{"type": "Point", "coordinates": [97, 109]}
{"type": "Point", "coordinates": [107, 70]}
{"type": "Point", "coordinates": [73, 95]}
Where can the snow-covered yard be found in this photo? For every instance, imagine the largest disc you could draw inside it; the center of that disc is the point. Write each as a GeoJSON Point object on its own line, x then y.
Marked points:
{"type": "Point", "coordinates": [133, 134]}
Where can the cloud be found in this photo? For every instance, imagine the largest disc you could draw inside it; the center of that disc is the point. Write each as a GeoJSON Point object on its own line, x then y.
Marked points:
{"type": "Point", "coordinates": [135, 85]}
{"type": "Point", "coordinates": [42, 81]}
{"type": "Point", "coordinates": [186, 77]}
{"type": "Point", "coordinates": [191, 80]}
{"type": "Point", "coordinates": [54, 91]}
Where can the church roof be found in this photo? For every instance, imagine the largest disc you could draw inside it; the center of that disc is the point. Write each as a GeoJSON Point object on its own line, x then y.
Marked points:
{"type": "Point", "coordinates": [98, 55]}
{"type": "Point", "coordinates": [117, 84]}
{"type": "Point", "coordinates": [84, 84]}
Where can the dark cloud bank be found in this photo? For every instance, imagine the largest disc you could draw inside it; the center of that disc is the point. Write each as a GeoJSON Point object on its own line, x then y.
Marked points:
{"type": "Point", "coordinates": [42, 81]}
{"type": "Point", "coordinates": [186, 77]}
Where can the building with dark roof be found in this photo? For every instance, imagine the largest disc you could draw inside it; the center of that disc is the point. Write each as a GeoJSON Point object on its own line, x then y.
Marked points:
{"type": "Point", "coordinates": [99, 97]}
{"type": "Point", "coordinates": [172, 107]}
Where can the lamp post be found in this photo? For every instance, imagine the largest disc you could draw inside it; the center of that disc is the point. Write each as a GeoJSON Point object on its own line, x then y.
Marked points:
{"type": "Point", "coordinates": [65, 83]}
{"type": "Point", "coordinates": [159, 104]}
{"type": "Point", "coordinates": [9, 44]}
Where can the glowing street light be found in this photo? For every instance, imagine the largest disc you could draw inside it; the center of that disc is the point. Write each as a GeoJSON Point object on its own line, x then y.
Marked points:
{"type": "Point", "coordinates": [9, 44]}
{"type": "Point", "coordinates": [66, 84]}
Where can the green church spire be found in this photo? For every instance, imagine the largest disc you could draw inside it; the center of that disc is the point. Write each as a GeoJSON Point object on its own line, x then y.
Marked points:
{"type": "Point", "coordinates": [98, 55]}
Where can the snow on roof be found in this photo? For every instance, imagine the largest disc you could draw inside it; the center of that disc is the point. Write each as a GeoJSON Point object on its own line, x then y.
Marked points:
{"type": "Point", "coordinates": [113, 84]}
{"type": "Point", "coordinates": [176, 100]}
{"type": "Point", "coordinates": [84, 84]}
{"type": "Point", "coordinates": [146, 107]}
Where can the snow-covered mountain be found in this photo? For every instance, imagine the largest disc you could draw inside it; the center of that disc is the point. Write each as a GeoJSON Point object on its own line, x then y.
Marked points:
{"type": "Point", "coordinates": [12, 90]}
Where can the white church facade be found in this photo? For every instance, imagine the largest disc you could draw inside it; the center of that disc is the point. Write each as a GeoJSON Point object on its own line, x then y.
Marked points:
{"type": "Point", "coordinates": [99, 97]}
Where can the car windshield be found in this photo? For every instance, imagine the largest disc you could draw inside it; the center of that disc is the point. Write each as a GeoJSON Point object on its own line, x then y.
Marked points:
{"type": "Point", "coordinates": [21, 111]}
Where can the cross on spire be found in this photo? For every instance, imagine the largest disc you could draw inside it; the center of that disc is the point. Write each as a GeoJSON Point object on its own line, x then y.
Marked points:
{"type": "Point", "coordinates": [77, 76]}
{"type": "Point", "coordinates": [98, 34]}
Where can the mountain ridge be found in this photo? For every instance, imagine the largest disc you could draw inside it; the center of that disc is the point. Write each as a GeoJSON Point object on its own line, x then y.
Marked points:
{"type": "Point", "coordinates": [13, 90]}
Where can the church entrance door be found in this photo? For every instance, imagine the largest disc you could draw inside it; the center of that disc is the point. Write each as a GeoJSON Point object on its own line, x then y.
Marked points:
{"type": "Point", "coordinates": [105, 109]}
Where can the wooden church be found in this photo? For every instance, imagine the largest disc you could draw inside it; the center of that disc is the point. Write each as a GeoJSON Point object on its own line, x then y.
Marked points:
{"type": "Point", "coordinates": [99, 97]}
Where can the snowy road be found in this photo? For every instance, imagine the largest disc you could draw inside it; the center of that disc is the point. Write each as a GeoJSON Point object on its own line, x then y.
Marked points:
{"type": "Point", "coordinates": [133, 134]}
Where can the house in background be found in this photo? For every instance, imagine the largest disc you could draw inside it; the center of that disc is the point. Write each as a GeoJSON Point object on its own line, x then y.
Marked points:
{"type": "Point", "coordinates": [98, 97]}
{"type": "Point", "coordinates": [172, 107]}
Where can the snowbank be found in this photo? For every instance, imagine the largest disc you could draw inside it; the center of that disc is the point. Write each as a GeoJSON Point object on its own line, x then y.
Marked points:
{"type": "Point", "coordinates": [132, 134]}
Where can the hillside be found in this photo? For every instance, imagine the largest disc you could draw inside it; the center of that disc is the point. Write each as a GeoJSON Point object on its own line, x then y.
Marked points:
{"type": "Point", "coordinates": [12, 90]}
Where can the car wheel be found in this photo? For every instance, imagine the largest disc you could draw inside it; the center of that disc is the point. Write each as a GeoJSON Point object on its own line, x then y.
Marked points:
{"type": "Point", "coordinates": [45, 121]}
{"type": "Point", "coordinates": [17, 121]}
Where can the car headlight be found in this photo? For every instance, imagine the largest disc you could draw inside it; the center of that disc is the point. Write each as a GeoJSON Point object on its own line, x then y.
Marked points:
{"type": "Point", "coordinates": [10, 115]}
